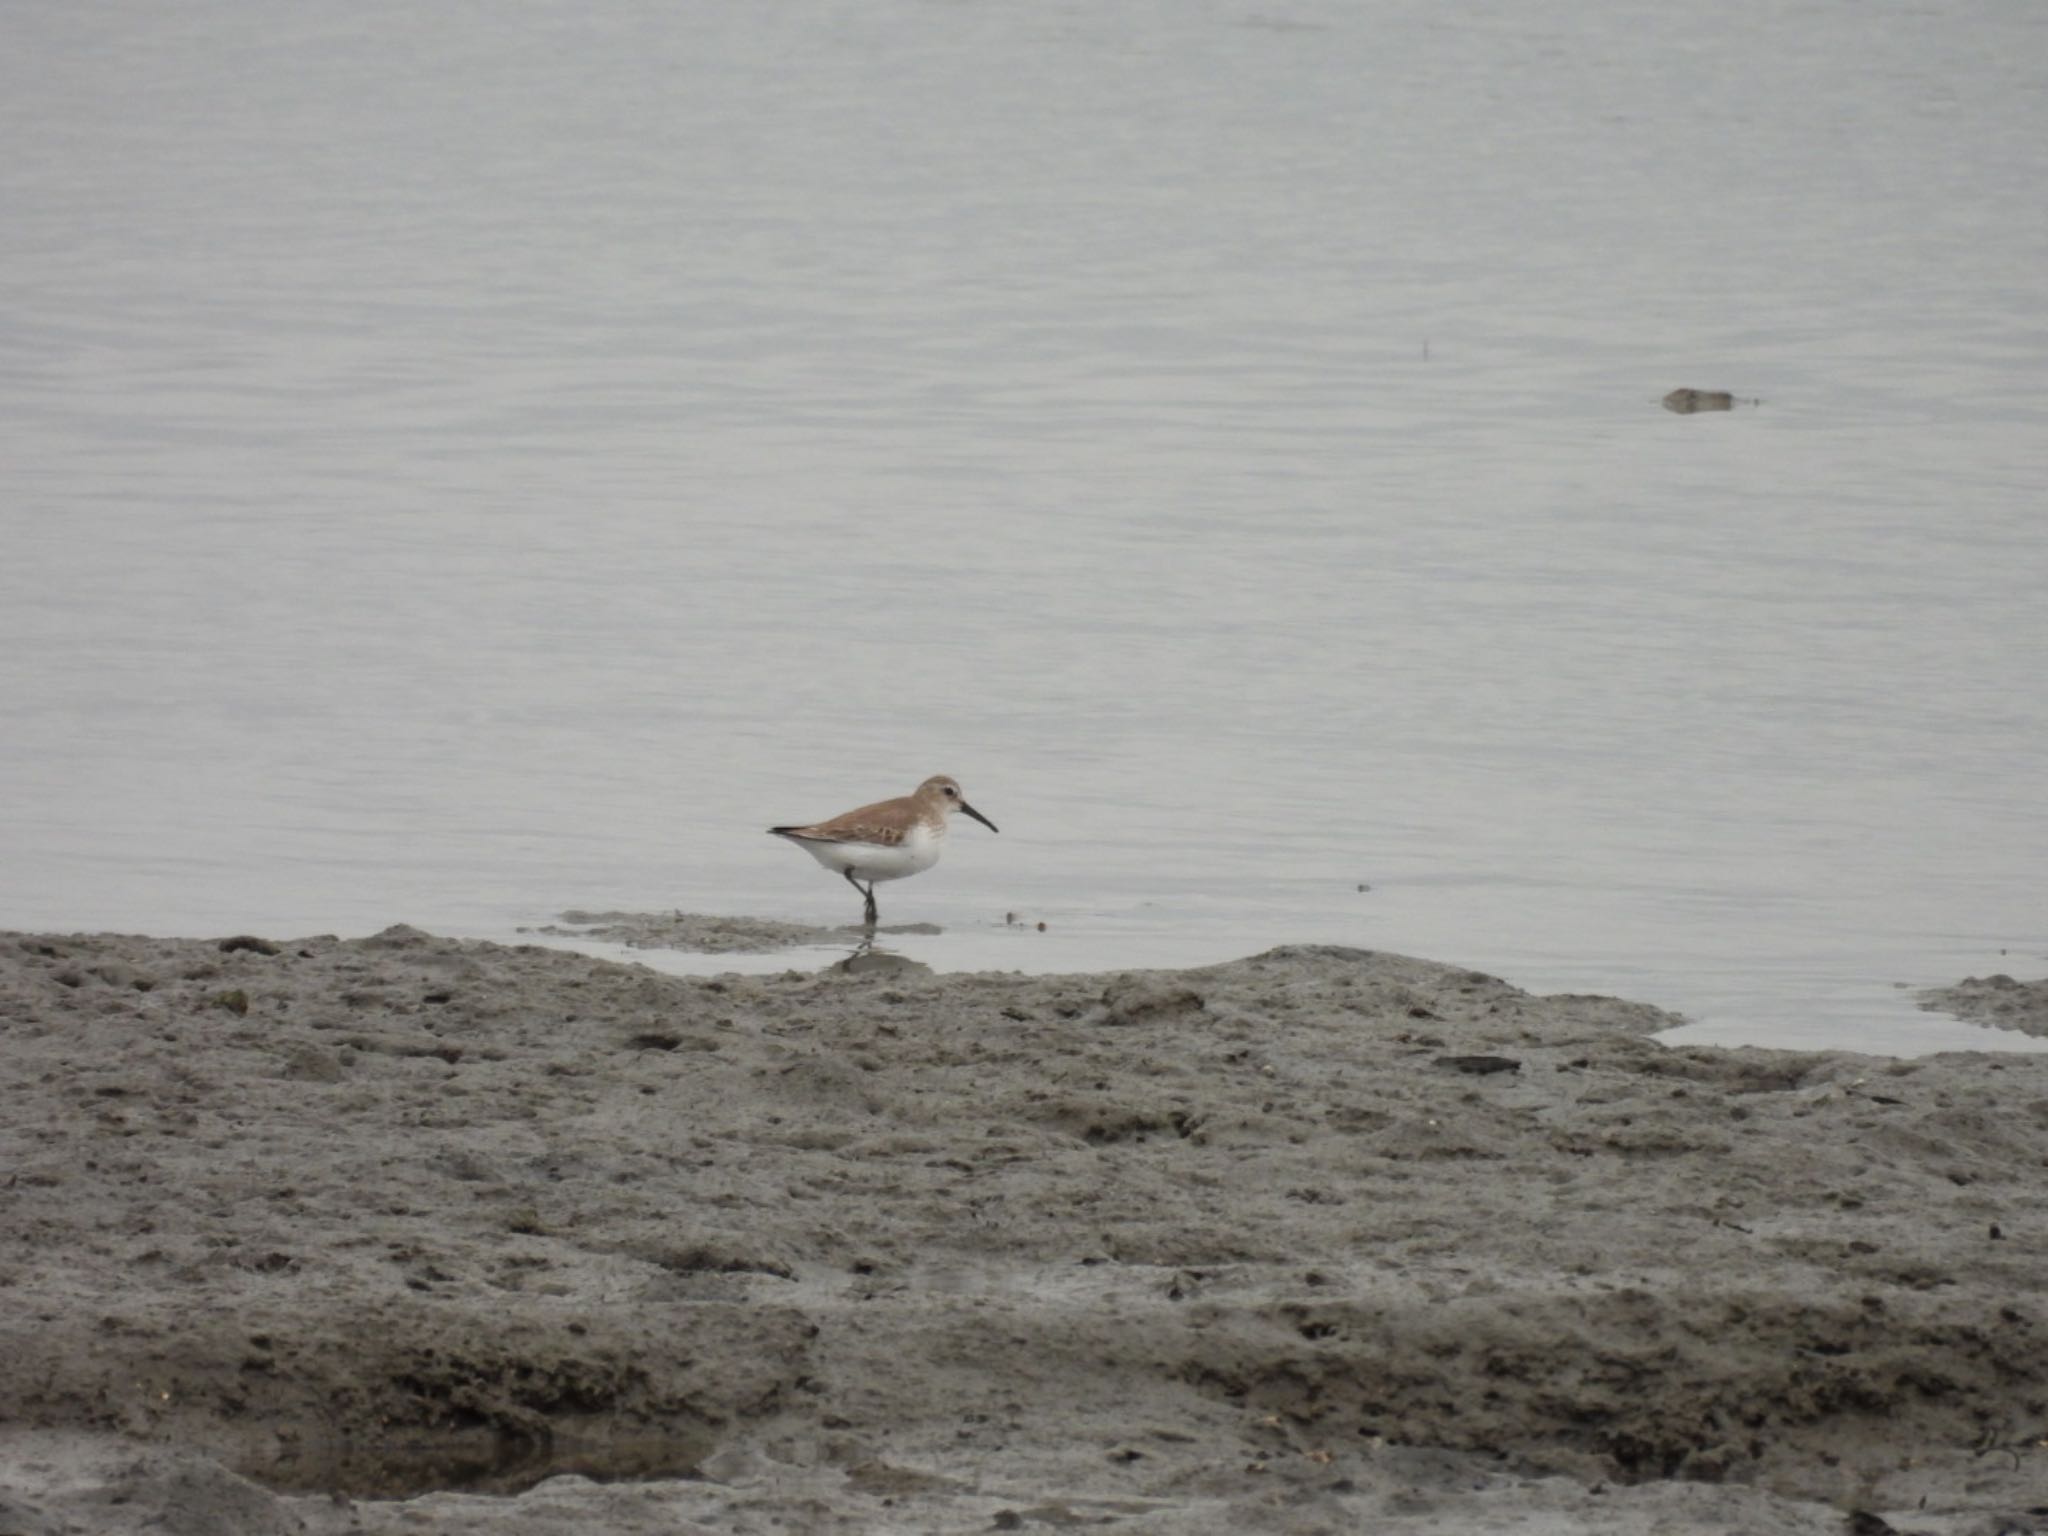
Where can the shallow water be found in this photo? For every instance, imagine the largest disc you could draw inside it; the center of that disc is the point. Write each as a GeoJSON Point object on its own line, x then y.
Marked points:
{"type": "Point", "coordinates": [460, 465]}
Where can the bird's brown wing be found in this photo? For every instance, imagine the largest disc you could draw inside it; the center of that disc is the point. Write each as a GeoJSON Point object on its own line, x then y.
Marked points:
{"type": "Point", "coordinates": [884, 823]}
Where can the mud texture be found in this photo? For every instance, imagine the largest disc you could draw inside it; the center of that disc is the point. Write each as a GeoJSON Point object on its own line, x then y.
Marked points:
{"type": "Point", "coordinates": [405, 1234]}
{"type": "Point", "coordinates": [1996, 1000]}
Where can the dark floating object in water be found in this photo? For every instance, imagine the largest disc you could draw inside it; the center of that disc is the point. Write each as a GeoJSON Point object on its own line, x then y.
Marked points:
{"type": "Point", "coordinates": [1480, 1066]}
{"type": "Point", "coordinates": [1686, 401]}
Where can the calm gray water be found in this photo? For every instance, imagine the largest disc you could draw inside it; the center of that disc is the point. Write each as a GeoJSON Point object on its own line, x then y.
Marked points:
{"type": "Point", "coordinates": [462, 462]}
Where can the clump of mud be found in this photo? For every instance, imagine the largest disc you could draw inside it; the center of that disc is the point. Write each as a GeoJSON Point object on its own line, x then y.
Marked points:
{"type": "Point", "coordinates": [1996, 1000]}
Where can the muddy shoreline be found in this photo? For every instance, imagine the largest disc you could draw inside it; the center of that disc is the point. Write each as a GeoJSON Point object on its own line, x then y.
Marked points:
{"type": "Point", "coordinates": [408, 1232]}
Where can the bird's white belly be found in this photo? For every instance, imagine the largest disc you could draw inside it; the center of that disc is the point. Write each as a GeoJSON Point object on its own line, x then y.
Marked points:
{"type": "Point", "coordinates": [876, 861]}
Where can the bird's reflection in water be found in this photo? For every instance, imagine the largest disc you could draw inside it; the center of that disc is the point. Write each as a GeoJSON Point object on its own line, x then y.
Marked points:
{"type": "Point", "coordinates": [865, 959]}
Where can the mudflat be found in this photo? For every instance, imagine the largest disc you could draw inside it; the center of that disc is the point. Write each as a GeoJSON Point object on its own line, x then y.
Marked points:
{"type": "Point", "coordinates": [407, 1233]}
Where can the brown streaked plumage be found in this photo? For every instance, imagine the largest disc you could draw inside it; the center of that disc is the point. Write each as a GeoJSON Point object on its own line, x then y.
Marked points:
{"type": "Point", "coordinates": [889, 840]}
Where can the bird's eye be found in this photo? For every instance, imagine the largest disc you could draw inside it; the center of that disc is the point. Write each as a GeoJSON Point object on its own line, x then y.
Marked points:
{"type": "Point", "coordinates": [953, 792]}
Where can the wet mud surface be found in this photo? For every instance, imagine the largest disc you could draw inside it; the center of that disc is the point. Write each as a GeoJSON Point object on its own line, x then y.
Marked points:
{"type": "Point", "coordinates": [1999, 1001]}
{"type": "Point", "coordinates": [408, 1233]}
{"type": "Point", "coordinates": [703, 934]}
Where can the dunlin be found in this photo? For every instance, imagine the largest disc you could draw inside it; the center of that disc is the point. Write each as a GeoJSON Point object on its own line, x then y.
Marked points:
{"type": "Point", "coordinates": [888, 840]}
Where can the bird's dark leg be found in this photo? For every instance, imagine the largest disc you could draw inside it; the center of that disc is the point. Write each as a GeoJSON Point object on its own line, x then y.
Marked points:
{"type": "Point", "coordinates": [867, 895]}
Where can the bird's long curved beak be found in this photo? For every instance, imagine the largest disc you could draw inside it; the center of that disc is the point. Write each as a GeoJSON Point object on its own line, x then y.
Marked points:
{"type": "Point", "coordinates": [971, 811]}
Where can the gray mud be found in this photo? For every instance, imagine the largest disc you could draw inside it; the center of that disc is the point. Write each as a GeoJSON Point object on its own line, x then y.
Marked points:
{"type": "Point", "coordinates": [1997, 1000]}
{"type": "Point", "coordinates": [406, 1233]}
{"type": "Point", "coordinates": [698, 933]}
